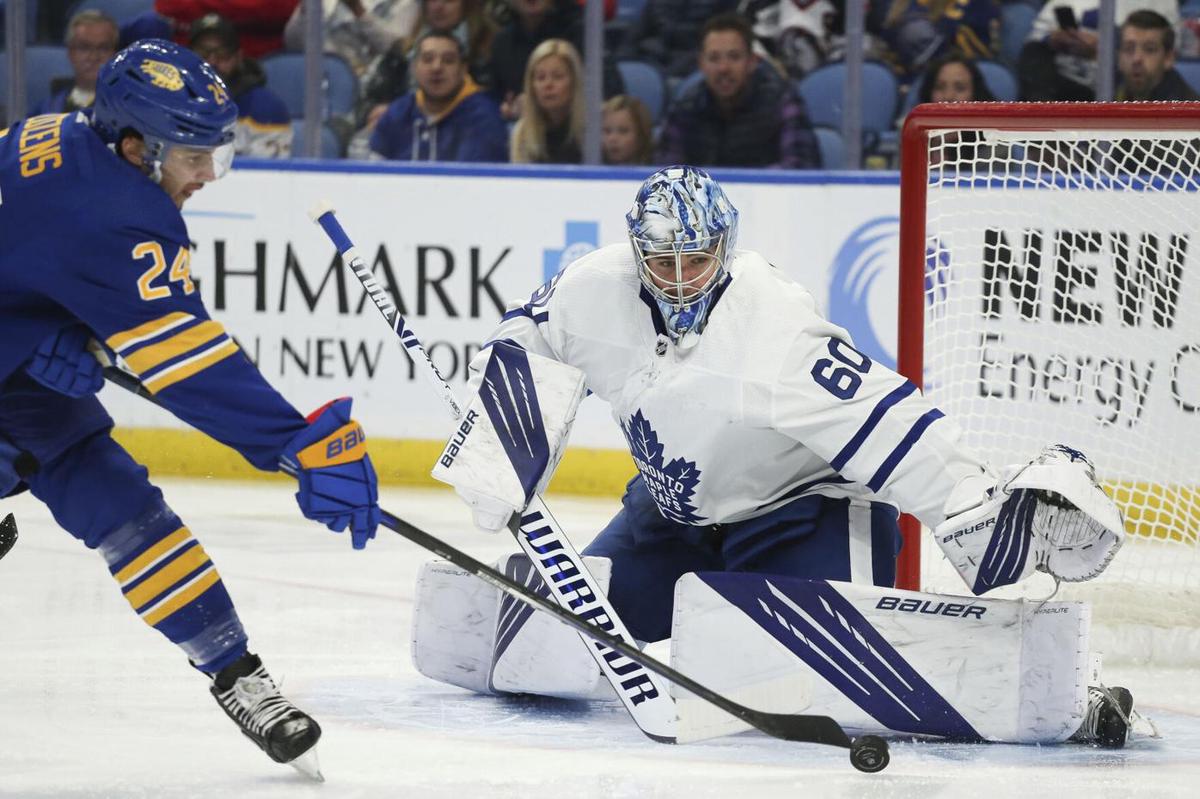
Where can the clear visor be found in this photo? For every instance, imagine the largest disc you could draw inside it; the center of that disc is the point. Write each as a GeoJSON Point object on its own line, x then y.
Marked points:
{"type": "Point", "coordinates": [197, 164]}
{"type": "Point", "coordinates": [681, 274]}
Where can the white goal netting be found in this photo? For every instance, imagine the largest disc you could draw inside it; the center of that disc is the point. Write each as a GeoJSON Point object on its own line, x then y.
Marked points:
{"type": "Point", "coordinates": [1062, 304]}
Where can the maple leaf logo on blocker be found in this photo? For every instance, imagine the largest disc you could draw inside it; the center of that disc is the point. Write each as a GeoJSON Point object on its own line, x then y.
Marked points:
{"type": "Point", "coordinates": [671, 485]}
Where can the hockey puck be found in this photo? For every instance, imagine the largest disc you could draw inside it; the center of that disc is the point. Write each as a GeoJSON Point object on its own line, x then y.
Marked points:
{"type": "Point", "coordinates": [869, 754]}
{"type": "Point", "coordinates": [8, 534]}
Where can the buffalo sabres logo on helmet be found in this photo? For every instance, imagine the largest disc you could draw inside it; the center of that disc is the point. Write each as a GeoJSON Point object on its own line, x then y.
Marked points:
{"type": "Point", "coordinates": [163, 75]}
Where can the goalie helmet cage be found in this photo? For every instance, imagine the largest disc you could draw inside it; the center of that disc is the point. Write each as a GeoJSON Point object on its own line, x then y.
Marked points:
{"type": "Point", "coordinates": [1049, 287]}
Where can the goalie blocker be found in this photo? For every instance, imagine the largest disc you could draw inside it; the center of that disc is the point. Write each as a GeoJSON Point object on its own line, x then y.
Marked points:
{"type": "Point", "coordinates": [512, 435]}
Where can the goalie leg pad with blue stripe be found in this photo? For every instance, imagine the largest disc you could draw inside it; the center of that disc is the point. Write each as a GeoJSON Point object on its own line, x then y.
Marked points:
{"type": "Point", "coordinates": [881, 660]}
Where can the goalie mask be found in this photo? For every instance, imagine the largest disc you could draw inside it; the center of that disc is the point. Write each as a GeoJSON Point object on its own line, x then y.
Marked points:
{"type": "Point", "coordinates": [682, 228]}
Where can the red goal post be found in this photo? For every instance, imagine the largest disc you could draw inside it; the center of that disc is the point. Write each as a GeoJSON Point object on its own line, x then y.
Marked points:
{"type": "Point", "coordinates": [1073, 224]}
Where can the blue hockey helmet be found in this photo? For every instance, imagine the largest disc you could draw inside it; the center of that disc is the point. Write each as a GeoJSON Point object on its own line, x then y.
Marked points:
{"type": "Point", "coordinates": [682, 228]}
{"type": "Point", "coordinates": [169, 96]}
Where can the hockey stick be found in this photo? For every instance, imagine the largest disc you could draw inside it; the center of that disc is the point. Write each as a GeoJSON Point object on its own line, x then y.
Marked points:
{"type": "Point", "coordinates": [8, 534]}
{"type": "Point", "coordinates": [868, 753]}
{"type": "Point", "coordinates": [646, 698]}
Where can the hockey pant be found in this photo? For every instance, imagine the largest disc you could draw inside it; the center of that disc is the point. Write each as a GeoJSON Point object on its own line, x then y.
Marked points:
{"type": "Point", "coordinates": [813, 537]}
{"type": "Point", "coordinates": [100, 495]}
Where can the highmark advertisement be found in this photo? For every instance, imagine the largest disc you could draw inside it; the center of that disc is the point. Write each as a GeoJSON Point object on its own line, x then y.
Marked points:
{"type": "Point", "coordinates": [454, 247]}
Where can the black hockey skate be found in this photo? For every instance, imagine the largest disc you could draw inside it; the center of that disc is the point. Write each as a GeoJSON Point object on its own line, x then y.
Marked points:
{"type": "Point", "coordinates": [1108, 718]}
{"type": "Point", "coordinates": [287, 734]}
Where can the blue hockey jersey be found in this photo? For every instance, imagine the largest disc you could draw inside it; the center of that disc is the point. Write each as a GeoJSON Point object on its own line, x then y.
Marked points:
{"type": "Point", "coordinates": [86, 237]}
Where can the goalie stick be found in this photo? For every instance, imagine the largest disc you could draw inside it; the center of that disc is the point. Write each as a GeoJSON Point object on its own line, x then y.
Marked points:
{"type": "Point", "coordinates": [644, 696]}
{"type": "Point", "coordinates": [868, 753]}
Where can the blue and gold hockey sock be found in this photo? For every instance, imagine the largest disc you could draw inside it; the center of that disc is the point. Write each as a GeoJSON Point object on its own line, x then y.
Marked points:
{"type": "Point", "coordinates": [169, 580]}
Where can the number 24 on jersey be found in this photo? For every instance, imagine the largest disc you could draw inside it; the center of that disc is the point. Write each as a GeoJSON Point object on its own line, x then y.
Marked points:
{"type": "Point", "coordinates": [180, 271]}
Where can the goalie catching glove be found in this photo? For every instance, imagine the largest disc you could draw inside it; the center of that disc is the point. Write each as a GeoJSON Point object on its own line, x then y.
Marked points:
{"type": "Point", "coordinates": [1049, 515]}
{"type": "Point", "coordinates": [512, 435]}
{"type": "Point", "coordinates": [337, 481]}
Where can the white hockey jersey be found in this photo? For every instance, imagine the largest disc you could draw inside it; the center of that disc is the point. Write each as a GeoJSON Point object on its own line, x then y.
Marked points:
{"type": "Point", "coordinates": [770, 403]}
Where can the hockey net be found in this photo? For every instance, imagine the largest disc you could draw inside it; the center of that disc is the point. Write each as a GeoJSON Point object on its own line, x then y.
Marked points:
{"type": "Point", "coordinates": [1050, 292]}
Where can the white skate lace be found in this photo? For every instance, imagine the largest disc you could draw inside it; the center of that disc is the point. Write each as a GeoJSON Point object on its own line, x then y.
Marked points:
{"type": "Point", "coordinates": [256, 702]}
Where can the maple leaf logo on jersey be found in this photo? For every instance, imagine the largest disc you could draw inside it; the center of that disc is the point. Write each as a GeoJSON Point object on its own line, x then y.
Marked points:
{"type": "Point", "coordinates": [673, 484]}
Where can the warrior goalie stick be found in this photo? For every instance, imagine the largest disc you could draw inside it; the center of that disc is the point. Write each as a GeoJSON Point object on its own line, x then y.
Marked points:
{"type": "Point", "coordinates": [868, 753]}
{"type": "Point", "coordinates": [645, 697]}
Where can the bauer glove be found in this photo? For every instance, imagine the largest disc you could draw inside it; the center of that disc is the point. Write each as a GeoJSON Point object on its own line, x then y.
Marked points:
{"type": "Point", "coordinates": [64, 363]}
{"type": "Point", "coordinates": [337, 481]}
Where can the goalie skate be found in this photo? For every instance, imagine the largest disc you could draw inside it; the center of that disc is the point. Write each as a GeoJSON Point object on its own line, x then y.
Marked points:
{"type": "Point", "coordinates": [248, 695]}
{"type": "Point", "coordinates": [1109, 718]}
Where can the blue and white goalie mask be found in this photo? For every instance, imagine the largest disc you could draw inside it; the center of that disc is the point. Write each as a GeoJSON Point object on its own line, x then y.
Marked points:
{"type": "Point", "coordinates": [682, 228]}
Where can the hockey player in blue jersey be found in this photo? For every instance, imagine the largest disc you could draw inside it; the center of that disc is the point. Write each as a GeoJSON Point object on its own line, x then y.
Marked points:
{"type": "Point", "coordinates": [94, 254]}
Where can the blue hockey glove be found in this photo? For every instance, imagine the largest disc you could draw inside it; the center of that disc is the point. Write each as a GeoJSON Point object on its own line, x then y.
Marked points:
{"type": "Point", "coordinates": [63, 363]}
{"type": "Point", "coordinates": [337, 481]}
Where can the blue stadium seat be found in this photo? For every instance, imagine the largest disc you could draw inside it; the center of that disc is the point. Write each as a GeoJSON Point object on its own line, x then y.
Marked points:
{"type": "Point", "coordinates": [645, 82]}
{"type": "Point", "coordinates": [999, 79]}
{"type": "Point", "coordinates": [285, 77]}
{"type": "Point", "coordinates": [331, 147]}
{"type": "Point", "coordinates": [832, 147]}
{"type": "Point", "coordinates": [629, 10]}
{"type": "Point", "coordinates": [822, 93]}
{"type": "Point", "coordinates": [120, 10]}
{"type": "Point", "coordinates": [1189, 70]}
{"type": "Point", "coordinates": [43, 63]}
{"type": "Point", "coordinates": [1016, 20]}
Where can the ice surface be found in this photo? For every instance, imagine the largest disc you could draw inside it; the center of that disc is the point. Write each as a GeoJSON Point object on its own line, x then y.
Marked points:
{"type": "Point", "coordinates": [94, 704]}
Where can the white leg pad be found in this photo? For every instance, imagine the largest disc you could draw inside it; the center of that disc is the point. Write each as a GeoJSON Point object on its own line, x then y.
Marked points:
{"type": "Point", "coordinates": [470, 634]}
{"type": "Point", "coordinates": [882, 660]}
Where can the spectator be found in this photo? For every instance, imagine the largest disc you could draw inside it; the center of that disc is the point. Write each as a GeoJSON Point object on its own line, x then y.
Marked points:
{"type": "Point", "coordinates": [447, 117]}
{"type": "Point", "coordinates": [550, 129]}
{"type": "Point", "coordinates": [955, 79]}
{"type": "Point", "coordinates": [359, 31]}
{"type": "Point", "coordinates": [625, 131]}
{"type": "Point", "coordinates": [259, 23]}
{"type": "Point", "coordinates": [264, 128]}
{"type": "Point", "coordinates": [389, 77]}
{"type": "Point", "coordinates": [917, 31]}
{"type": "Point", "coordinates": [1146, 60]}
{"type": "Point", "coordinates": [742, 113]}
{"type": "Point", "coordinates": [666, 32]}
{"type": "Point", "coordinates": [799, 36]}
{"type": "Point", "coordinates": [533, 22]}
{"type": "Point", "coordinates": [91, 40]}
{"type": "Point", "coordinates": [1059, 63]}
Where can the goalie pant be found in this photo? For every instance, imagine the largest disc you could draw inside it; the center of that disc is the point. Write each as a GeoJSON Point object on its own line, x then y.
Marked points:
{"type": "Point", "coordinates": [874, 659]}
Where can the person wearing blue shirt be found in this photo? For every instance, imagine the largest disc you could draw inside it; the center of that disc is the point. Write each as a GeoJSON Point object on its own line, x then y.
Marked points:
{"type": "Point", "coordinates": [94, 258]}
{"type": "Point", "coordinates": [91, 40]}
{"type": "Point", "coordinates": [447, 117]}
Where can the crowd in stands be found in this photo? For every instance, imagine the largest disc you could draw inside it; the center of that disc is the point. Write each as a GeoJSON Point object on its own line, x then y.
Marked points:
{"type": "Point", "coordinates": [502, 80]}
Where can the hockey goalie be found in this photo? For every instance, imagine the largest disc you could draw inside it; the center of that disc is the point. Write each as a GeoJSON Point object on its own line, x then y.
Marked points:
{"type": "Point", "coordinates": [760, 534]}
